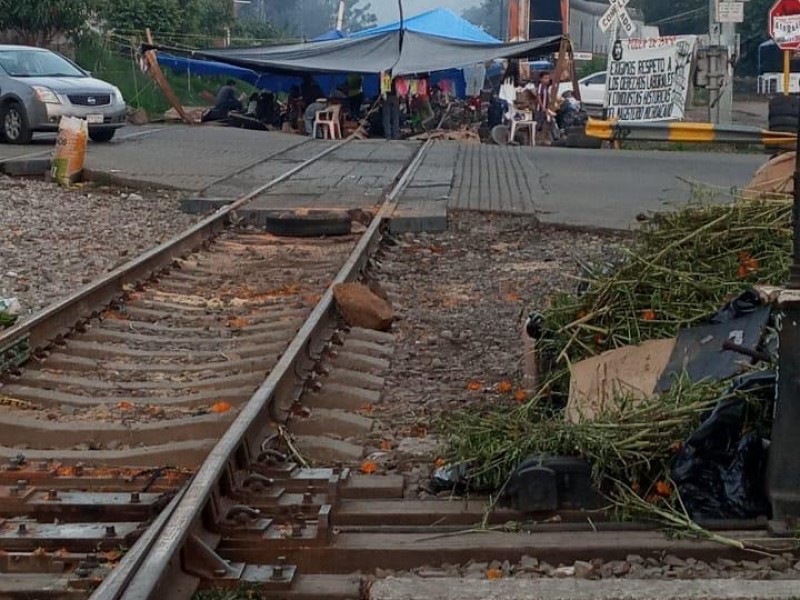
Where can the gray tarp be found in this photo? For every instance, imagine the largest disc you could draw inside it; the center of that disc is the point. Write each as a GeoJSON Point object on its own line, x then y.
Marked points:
{"type": "Point", "coordinates": [420, 54]}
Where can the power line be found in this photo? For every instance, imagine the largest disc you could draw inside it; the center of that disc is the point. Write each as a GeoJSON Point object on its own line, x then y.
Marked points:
{"type": "Point", "coordinates": [684, 16]}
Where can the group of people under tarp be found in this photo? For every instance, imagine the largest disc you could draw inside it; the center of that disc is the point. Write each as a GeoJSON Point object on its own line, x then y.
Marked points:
{"type": "Point", "coordinates": [408, 102]}
{"type": "Point", "coordinates": [402, 101]}
{"type": "Point", "coordinates": [553, 112]}
{"type": "Point", "coordinates": [261, 107]}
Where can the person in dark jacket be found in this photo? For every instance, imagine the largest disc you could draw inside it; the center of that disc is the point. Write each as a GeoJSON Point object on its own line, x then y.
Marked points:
{"type": "Point", "coordinates": [227, 100]}
{"type": "Point", "coordinates": [310, 90]}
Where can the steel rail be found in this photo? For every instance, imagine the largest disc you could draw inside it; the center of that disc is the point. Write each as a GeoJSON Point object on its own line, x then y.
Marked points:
{"type": "Point", "coordinates": [60, 318]}
{"type": "Point", "coordinates": [121, 576]}
{"type": "Point", "coordinates": [250, 422]}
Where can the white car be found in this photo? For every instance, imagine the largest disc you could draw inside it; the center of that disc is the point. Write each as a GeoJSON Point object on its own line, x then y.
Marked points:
{"type": "Point", "coordinates": [593, 89]}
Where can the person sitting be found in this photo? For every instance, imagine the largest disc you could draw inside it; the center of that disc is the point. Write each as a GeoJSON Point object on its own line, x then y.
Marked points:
{"type": "Point", "coordinates": [227, 101]}
{"type": "Point", "coordinates": [310, 90]}
{"type": "Point", "coordinates": [570, 113]}
{"type": "Point", "coordinates": [295, 107]}
{"type": "Point", "coordinates": [355, 95]}
{"type": "Point", "coordinates": [311, 114]}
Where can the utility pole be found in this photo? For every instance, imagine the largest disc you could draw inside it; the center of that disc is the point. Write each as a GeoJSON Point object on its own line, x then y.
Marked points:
{"type": "Point", "coordinates": [722, 35]}
{"type": "Point", "coordinates": [340, 17]}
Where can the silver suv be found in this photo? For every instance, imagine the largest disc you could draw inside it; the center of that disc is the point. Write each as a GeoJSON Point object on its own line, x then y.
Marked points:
{"type": "Point", "coordinates": [38, 87]}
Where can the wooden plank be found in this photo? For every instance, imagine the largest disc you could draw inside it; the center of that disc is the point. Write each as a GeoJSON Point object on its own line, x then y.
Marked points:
{"type": "Point", "coordinates": [158, 75]}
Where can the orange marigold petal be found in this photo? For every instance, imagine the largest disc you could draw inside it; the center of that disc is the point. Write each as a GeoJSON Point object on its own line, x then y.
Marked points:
{"type": "Point", "coordinates": [664, 489]}
{"type": "Point", "coordinates": [494, 574]}
{"type": "Point", "coordinates": [221, 407]}
{"type": "Point", "coordinates": [521, 395]}
{"type": "Point", "coordinates": [504, 387]}
{"type": "Point", "coordinates": [474, 386]}
{"type": "Point", "coordinates": [368, 467]}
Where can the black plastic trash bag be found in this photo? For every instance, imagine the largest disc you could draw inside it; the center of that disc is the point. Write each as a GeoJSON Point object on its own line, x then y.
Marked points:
{"type": "Point", "coordinates": [700, 351]}
{"type": "Point", "coordinates": [720, 471]}
{"type": "Point", "coordinates": [744, 304]}
{"type": "Point", "coordinates": [451, 478]}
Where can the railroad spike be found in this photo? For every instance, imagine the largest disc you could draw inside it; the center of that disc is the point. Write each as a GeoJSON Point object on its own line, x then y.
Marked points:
{"type": "Point", "coordinates": [257, 482]}
{"type": "Point", "coordinates": [270, 456]}
{"type": "Point", "coordinates": [242, 514]}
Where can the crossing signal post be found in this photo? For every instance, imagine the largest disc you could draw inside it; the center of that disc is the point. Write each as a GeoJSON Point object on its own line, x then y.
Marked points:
{"type": "Point", "coordinates": [784, 456]}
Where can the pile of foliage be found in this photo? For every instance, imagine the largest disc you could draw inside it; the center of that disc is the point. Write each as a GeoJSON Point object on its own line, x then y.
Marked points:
{"type": "Point", "coordinates": [680, 268]}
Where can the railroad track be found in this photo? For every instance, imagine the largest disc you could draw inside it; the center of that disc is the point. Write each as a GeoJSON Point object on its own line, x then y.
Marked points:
{"type": "Point", "coordinates": [113, 398]}
{"type": "Point", "coordinates": [182, 425]}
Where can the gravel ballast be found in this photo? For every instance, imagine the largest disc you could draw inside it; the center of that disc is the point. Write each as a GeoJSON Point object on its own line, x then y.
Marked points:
{"type": "Point", "coordinates": [56, 240]}
{"type": "Point", "coordinates": [461, 298]}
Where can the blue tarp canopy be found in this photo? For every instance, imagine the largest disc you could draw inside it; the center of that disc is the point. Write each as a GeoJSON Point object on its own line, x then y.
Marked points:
{"type": "Point", "coordinates": [438, 42]}
{"type": "Point", "coordinates": [208, 68]}
{"type": "Point", "coordinates": [441, 22]}
{"type": "Point", "coordinates": [263, 81]}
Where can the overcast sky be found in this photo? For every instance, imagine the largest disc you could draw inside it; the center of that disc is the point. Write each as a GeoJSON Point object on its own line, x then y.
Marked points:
{"type": "Point", "coordinates": [387, 10]}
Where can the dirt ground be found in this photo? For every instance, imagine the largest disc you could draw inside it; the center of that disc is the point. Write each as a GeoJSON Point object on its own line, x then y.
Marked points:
{"type": "Point", "coordinates": [462, 299]}
{"type": "Point", "coordinates": [56, 240]}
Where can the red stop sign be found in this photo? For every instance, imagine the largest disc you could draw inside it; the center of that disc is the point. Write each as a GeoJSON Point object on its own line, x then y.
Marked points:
{"type": "Point", "coordinates": [784, 24]}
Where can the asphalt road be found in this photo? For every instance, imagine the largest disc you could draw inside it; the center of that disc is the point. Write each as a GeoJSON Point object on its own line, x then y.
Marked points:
{"type": "Point", "coordinates": [610, 188]}
{"type": "Point", "coordinates": [594, 188]}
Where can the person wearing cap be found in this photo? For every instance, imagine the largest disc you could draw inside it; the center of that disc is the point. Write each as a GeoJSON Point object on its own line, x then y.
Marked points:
{"type": "Point", "coordinates": [227, 101]}
{"type": "Point", "coordinates": [311, 113]}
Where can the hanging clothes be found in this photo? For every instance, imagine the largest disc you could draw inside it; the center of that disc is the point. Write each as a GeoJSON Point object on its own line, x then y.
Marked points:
{"type": "Point", "coordinates": [422, 87]}
{"type": "Point", "coordinates": [475, 78]}
{"type": "Point", "coordinates": [386, 84]}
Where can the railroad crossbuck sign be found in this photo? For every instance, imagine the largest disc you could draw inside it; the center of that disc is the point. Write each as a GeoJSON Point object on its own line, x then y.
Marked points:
{"type": "Point", "coordinates": [618, 12]}
{"type": "Point", "coordinates": [784, 24]}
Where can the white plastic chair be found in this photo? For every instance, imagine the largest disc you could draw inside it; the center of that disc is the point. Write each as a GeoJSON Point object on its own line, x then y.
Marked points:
{"type": "Point", "coordinates": [327, 121]}
{"type": "Point", "coordinates": [521, 120]}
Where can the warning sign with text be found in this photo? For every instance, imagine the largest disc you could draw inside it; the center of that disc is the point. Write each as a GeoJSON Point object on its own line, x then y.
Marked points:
{"type": "Point", "coordinates": [648, 79]}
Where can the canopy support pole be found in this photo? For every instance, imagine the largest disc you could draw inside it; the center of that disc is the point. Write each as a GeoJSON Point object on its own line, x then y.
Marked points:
{"type": "Point", "coordinates": [158, 75]}
{"type": "Point", "coordinates": [787, 72]}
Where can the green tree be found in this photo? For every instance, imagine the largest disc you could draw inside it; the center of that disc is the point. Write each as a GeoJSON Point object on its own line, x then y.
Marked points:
{"type": "Point", "coordinates": [754, 31]}
{"type": "Point", "coordinates": [309, 18]}
{"type": "Point", "coordinates": [489, 14]}
{"type": "Point", "coordinates": [39, 21]}
{"type": "Point", "coordinates": [160, 16]}
{"type": "Point", "coordinates": [247, 30]}
{"type": "Point", "coordinates": [214, 16]}
{"type": "Point", "coordinates": [676, 17]}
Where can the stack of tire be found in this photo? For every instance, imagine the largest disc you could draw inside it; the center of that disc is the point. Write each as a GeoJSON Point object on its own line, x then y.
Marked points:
{"type": "Point", "coordinates": [576, 133]}
{"type": "Point", "coordinates": [784, 113]}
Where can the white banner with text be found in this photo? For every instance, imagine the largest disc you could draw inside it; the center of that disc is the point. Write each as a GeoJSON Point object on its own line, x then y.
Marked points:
{"type": "Point", "coordinates": [649, 79]}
